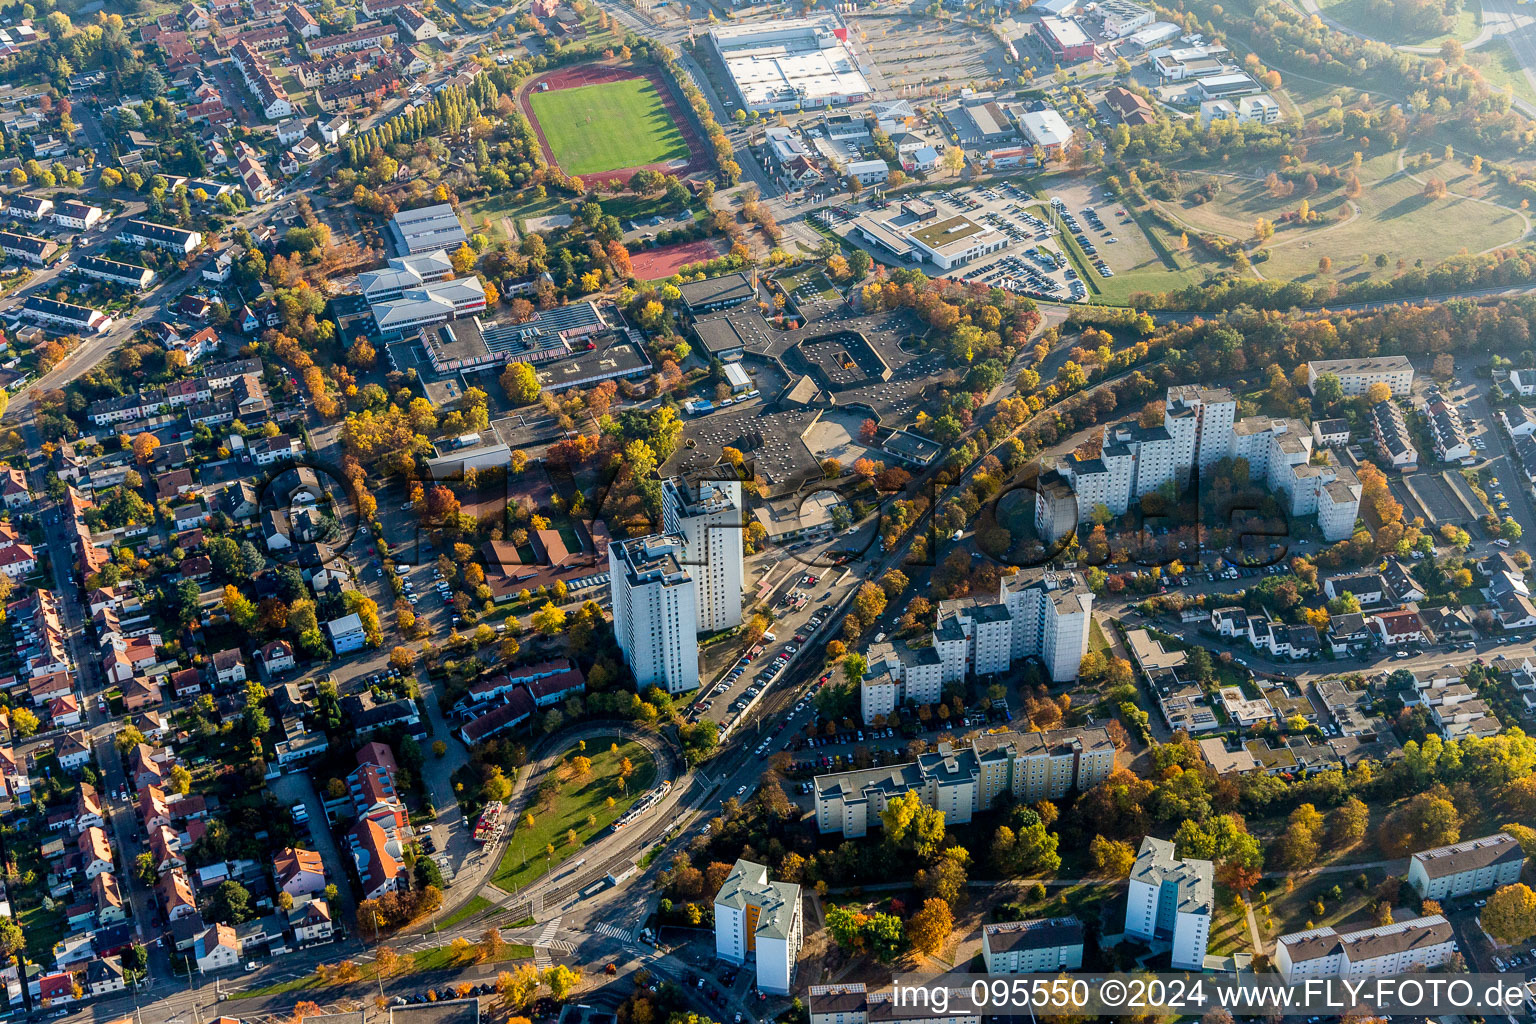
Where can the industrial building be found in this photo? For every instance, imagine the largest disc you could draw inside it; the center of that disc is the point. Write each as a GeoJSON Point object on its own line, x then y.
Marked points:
{"type": "Point", "coordinates": [793, 64]}
{"type": "Point", "coordinates": [1066, 42]}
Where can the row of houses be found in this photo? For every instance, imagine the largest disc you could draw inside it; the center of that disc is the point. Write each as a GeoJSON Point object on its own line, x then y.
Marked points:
{"type": "Point", "coordinates": [238, 377]}
{"type": "Point", "coordinates": [510, 698]}
{"type": "Point", "coordinates": [66, 213]}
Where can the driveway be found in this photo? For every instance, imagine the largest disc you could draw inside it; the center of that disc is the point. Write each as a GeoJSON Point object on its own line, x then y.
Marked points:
{"type": "Point", "coordinates": [299, 788]}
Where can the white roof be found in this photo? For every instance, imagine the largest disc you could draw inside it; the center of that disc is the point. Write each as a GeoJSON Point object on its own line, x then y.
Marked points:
{"type": "Point", "coordinates": [440, 299]}
{"type": "Point", "coordinates": [1045, 128]}
{"type": "Point", "coordinates": [798, 58]}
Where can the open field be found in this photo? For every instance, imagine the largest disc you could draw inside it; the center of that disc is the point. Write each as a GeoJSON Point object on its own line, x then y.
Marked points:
{"type": "Point", "coordinates": [580, 805]}
{"type": "Point", "coordinates": [1356, 14]}
{"type": "Point", "coordinates": [610, 126]}
{"type": "Point", "coordinates": [1500, 67]}
{"type": "Point", "coordinates": [1391, 218]}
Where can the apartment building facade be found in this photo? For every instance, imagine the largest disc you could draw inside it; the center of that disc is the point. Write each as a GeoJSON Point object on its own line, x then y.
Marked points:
{"type": "Point", "coordinates": [1171, 899]}
{"type": "Point", "coordinates": [655, 611]}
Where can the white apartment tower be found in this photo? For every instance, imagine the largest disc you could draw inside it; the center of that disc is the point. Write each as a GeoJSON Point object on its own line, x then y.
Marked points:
{"type": "Point", "coordinates": [655, 611]}
{"type": "Point", "coordinates": [759, 919]}
{"type": "Point", "coordinates": [1036, 614]}
{"type": "Point", "coordinates": [1201, 421]}
{"type": "Point", "coordinates": [709, 516]}
{"type": "Point", "coordinates": [1198, 430]}
{"type": "Point", "coordinates": [1171, 899]}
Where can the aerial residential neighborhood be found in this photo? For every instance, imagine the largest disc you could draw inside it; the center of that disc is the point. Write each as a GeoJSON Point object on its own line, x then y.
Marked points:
{"type": "Point", "coordinates": [675, 513]}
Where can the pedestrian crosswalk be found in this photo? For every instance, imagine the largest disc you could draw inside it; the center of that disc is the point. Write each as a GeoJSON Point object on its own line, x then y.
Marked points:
{"type": "Point", "coordinates": [614, 932]}
{"type": "Point", "coordinates": [551, 929]}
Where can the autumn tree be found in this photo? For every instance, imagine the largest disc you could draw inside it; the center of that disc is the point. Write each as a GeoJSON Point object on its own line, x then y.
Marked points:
{"type": "Point", "coordinates": [1425, 821]}
{"type": "Point", "coordinates": [929, 929]}
{"type": "Point", "coordinates": [1510, 916]}
{"type": "Point", "coordinates": [1111, 856]}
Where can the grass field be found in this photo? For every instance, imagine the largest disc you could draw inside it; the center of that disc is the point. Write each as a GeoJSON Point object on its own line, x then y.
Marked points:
{"type": "Point", "coordinates": [1356, 15]}
{"type": "Point", "coordinates": [1394, 220]}
{"type": "Point", "coordinates": [437, 958]}
{"type": "Point", "coordinates": [574, 801]}
{"type": "Point", "coordinates": [476, 905]}
{"type": "Point", "coordinates": [1500, 67]}
{"type": "Point", "coordinates": [497, 214]}
{"type": "Point", "coordinates": [608, 127]}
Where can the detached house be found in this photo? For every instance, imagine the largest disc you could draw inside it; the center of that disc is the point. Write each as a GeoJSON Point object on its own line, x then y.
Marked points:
{"type": "Point", "coordinates": [299, 872]}
{"type": "Point", "coordinates": [110, 908]}
{"type": "Point", "coordinates": [95, 851]}
{"type": "Point", "coordinates": [227, 667]}
{"type": "Point", "coordinates": [274, 658]}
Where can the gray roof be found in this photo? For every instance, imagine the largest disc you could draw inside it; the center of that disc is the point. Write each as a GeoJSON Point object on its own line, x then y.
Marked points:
{"type": "Point", "coordinates": [728, 288]}
{"type": "Point", "coordinates": [1157, 865]}
{"type": "Point", "coordinates": [1369, 943]}
{"type": "Point", "coordinates": [431, 227]}
{"type": "Point", "coordinates": [1471, 855]}
{"type": "Point", "coordinates": [777, 902]}
{"type": "Point", "coordinates": [1041, 933]}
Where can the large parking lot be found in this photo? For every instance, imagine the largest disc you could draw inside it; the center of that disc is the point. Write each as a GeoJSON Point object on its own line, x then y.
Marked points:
{"type": "Point", "coordinates": [1131, 249]}
{"type": "Point", "coordinates": [1035, 262]}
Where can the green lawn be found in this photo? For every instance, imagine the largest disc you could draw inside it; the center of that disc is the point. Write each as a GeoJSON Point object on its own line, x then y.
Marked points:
{"type": "Point", "coordinates": [441, 958]}
{"type": "Point", "coordinates": [1229, 929]}
{"type": "Point", "coordinates": [575, 799]}
{"type": "Point", "coordinates": [476, 905]}
{"type": "Point", "coordinates": [1097, 641]}
{"type": "Point", "coordinates": [505, 212]}
{"type": "Point", "coordinates": [1500, 67]}
{"type": "Point", "coordinates": [1356, 14]}
{"type": "Point", "coordinates": [438, 958]}
{"type": "Point", "coordinates": [608, 127]}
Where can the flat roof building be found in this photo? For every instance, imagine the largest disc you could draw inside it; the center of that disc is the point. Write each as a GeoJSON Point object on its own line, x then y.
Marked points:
{"type": "Point", "coordinates": [431, 227]}
{"type": "Point", "coordinates": [1046, 129]}
{"type": "Point", "coordinates": [714, 293]}
{"type": "Point", "coordinates": [1065, 40]}
{"type": "Point", "coordinates": [949, 243]}
{"type": "Point", "coordinates": [1357, 375]}
{"type": "Point", "coordinates": [791, 64]}
{"type": "Point", "coordinates": [655, 616]}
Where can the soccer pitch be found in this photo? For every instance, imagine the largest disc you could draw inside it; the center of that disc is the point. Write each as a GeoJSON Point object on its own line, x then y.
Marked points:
{"type": "Point", "coordinates": [593, 129]}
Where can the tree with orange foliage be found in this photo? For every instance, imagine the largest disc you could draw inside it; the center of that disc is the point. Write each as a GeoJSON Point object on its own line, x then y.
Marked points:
{"type": "Point", "coordinates": [618, 259]}
{"type": "Point", "coordinates": [144, 448]}
{"type": "Point", "coordinates": [441, 503]}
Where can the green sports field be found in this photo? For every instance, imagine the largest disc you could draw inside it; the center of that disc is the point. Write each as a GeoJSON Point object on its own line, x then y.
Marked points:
{"type": "Point", "coordinates": [593, 129]}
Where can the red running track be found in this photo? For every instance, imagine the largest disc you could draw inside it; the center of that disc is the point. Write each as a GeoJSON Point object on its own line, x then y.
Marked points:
{"type": "Point", "coordinates": [597, 74]}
